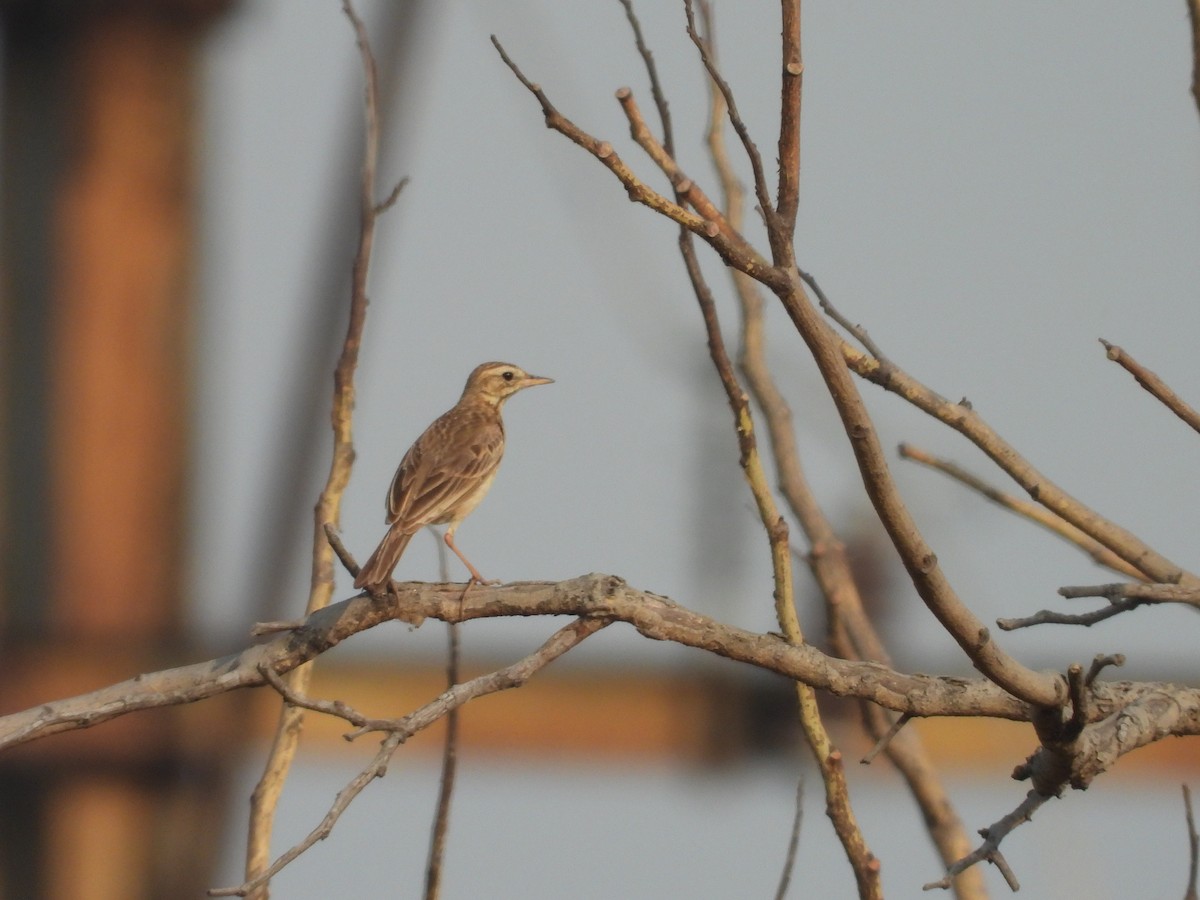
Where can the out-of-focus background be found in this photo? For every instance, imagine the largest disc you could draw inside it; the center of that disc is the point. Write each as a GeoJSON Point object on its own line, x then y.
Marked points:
{"type": "Point", "coordinates": [988, 189]}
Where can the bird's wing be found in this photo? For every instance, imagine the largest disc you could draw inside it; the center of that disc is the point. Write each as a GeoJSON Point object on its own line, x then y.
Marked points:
{"type": "Point", "coordinates": [449, 462]}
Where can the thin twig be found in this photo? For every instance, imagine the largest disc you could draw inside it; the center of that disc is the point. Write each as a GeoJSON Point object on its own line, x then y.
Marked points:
{"type": "Point", "coordinates": [852, 634]}
{"type": "Point", "coordinates": [828, 757]}
{"type": "Point", "coordinates": [990, 848]}
{"type": "Point", "coordinates": [376, 768]}
{"type": "Point", "coordinates": [660, 98]}
{"type": "Point", "coordinates": [789, 862]}
{"type": "Point", "coordinates": [791, 94]}
{"type": "Point", "coordinates": [856, 331]}
{"type": "Point", "coordinates": [714, 230]}
{"type": "Point", "coordinates": [344, 556]}
{"type": "Point", "coordinates": [1152, 383]}
{"type": "Point", "coordinates": [1194, 17]}
{"type": "Point", "coordinates": [1121, 598]}
{"type": "Point", "coordinates": [1193, 845]}
{"type": "Point", "coordinates": [968, 422]}
{"type": "Point", "coordinates": [441, 816]}
{"type": "Point", "coordinates": [265, 799]}
{"type": "Point", "coordinates": [1052, 617]}
{"type": "Point", "coordinates": [401, 730]}
{"type": "Point", "coordinates": [1034, 512]}
{"type": "Point", "coordinates": [885, 739]}
{"type": "Point", "coordinates": [761, 191]}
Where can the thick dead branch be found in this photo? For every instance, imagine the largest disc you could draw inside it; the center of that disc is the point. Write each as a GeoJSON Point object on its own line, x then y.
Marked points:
{"type": "Point", "coordinates": [1121, 716]}
{"type": "Point", "coordinates": [603, 596]}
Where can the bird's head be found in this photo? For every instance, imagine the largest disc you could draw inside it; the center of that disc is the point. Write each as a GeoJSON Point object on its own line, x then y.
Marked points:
{"type": "Point", "coordinates": [495, 382]}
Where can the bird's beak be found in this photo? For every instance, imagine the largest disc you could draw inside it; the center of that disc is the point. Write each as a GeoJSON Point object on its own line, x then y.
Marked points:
{"type": "Point", "coordinates": [531, 380]}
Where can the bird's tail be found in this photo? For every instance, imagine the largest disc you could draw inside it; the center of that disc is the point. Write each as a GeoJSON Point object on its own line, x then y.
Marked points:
{"type": "Point", "coordinates": [377, 571]}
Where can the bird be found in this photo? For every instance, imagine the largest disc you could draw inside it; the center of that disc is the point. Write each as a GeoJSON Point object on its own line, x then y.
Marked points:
{"type": "Point", "coordinates": [447, 470]}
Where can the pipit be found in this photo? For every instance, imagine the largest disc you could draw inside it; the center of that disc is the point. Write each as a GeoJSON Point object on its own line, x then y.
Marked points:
{"type": "Point", "coordinates": [447, 471]}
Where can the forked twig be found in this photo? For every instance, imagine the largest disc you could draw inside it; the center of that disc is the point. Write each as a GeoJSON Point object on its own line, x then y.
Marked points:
{"type": "Point", "coordinates": [400, 730]}
{"type": "Point", "coordinates": [989, 850]}
{"type": "Point", "coordinates": [1121, 598]}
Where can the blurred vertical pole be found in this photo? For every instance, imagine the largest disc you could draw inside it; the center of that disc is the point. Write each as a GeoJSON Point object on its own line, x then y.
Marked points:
{"type": "Point", "coordinates": [96, 231]}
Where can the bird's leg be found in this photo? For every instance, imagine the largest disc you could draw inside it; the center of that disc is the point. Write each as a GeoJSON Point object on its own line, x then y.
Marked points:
{"type": "Point", "coordinates": [475, 576]}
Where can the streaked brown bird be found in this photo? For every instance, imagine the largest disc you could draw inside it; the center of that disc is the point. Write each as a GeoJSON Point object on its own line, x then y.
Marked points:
{"type": "Point", "coordinates": [447, 471]}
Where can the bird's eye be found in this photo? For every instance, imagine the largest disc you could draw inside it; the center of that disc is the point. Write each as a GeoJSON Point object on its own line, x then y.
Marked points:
{"type": "Point", "coordinates": [507, 376]}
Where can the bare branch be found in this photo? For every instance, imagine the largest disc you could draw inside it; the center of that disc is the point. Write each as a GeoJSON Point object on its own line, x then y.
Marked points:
{"type": "Point", "coordinates": [660, 98]}
{"type": "Point", "coordinates": [1152, 383]}
{"type": "Point", "coordinates": [634, 187]}
{"type": "Point", "coordinates": [760, 181]}
{"type": "Point", "coordinates": [1193, 845]}
{"type": "Point", "coordinates": [1051, 617]}
{"type": "Point", "coordinates": [400, 730]}
{"type": "Point", "coordinates": [789, 862]}
{"type": "Point", "coordinates": [965, 420]}
{"type": "Point", "coordinates": [885, 739]}
{"type": "Point", "coordinates": [791, 93]}
{"type": "Point", "coordinates": [267, 792]}
{"type": "Point", "coordinates": [990, 848]}
{"type": "Point", "coordinates": [931, 584]}
{"type": "Point", "coordinates": [1120, 597]}
{"type": "Point", "coordinates": [441, 818]}
{"type": "Point", "coordinates": [1194, 16]}
{"type": "Point", "coordinates": [856, 331]}
{"type": "Point", "coordinates": [376, 768]}
{"type": "Point", "coordinates": [1039, 515]}
{"type": "Point", "coordinates": [1147, 593]}
{"type": "Point", "coordinates": [826, 754]}
{"type": "Point", "coordinates": [335, 708]}
{"type": "Point", "coordinates": [344, 556]}
{"type": "Point", "coordinates": [605, 596]}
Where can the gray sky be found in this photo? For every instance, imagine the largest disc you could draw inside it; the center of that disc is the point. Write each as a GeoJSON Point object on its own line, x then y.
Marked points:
{"type": "Point", "coordinates": [987, 188]}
